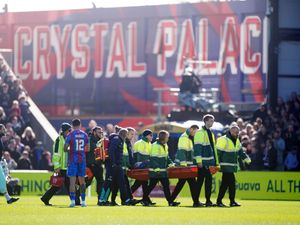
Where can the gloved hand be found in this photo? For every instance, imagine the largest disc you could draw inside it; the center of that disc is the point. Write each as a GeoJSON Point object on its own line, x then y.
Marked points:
{"type": "Point", "coordinates": [171, 165]}
{"type": "Point", "coordinates": [183, 164]}
{"type": "Point", "coordinates": [138, 165]}
{"type": "Point", "coordinates": [247, 161]}
{"type": "Point", "coordinates": [213, 169]}
{"type": "Point", "coordinates": [157, 170]}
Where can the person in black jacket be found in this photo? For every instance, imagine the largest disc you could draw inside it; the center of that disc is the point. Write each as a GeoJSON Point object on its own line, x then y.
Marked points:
{"type": "Point", "coordinates": [96, 167]}
{"type": "Point", "coordinates": [115, 151]}
{"type": "Point", "coordinates": [127, 163]}
{"type": "Point", "coordinates": [106, 188]}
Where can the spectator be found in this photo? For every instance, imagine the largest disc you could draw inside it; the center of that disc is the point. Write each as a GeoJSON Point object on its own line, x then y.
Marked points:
{"type": "Point", "coordinates": [240, 123]}
{"type": "Point", "coordinates": [279, 146]}
{"type": "Point", "coordinates": [24, 106]}
{"type": "Point", "coordinates": [291, 162]}
{"type": "Point", "coordinates": [16, 125]}
{"type": "Point", "coordinates": [109, 129]}
{"type": "Point", "coordinates": [256, 156]}
{"type": "Point", "coordinates": [249, 130]}
{"type": "Point", "coordinates": [45, 162]}
{"type": "Point", "coordinates": [24, 162]}
{"type": "Point", "coordinates": [4, 71]}
{"type": "Point", "coordinates": [260, 113]}
{"type": "Point", "coordinates": [12, 149]}
{"type": "Point", "coordinates": [3, 118]}
{"type": "Point", "coordinates": [296, 110]}
{"type": "Point", "coordinates": [9, 79]}
{"type": "Point", "coordinates": [5, 98]}
{"type": "Point", "coordinates": [19, 145]}
{"type": "Point", "coordinates": [11, 163]}
{"type": "Point", "coordinates": [16, 89]}
{"type": "Point", "coordinates": [15, 110]}
{"type": "Point", "coordinates": [10, 133]}
{"type": "Point", "coordinates": [270, 156]}
{"type": "Point", "coordinates": [92, 124]}
{"type": "Point", "coordinates": [280, 105]}
{"type": "Point", "coordinates": [290, 137]}
{"type": "Point", "coordinates": [36, 154]}
{"type": "Point", "coordinates": [28, 137]}
{"type": "Point", "coordinates": [32, 156]}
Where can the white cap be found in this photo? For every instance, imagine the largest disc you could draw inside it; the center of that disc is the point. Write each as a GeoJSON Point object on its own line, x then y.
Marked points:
{"type": "Point", "coordinates": [234, 125]}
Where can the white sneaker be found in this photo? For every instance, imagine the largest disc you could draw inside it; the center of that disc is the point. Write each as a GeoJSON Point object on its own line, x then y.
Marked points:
{"type": "Point", "coordinates": [72, 205]}
{"type": "Point", "coordinates": [83, 204]}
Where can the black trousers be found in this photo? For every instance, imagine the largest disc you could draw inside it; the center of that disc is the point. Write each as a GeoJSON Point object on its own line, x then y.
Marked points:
{"type": "Point", "coordinates": [137, 184]}
{"type": "Point", "coordinates": [204, 174]}
{"type": "Point", "coordinates": [52, 190]}
{"type": "Point", "coordinates": [114, 191]}
{"type": "Point", "coordinates": [106, 188]}
{"type": "Point", "coordinates": [228, 181]}
{"type": "Point", "coordinates": [97, 171]}
{"type": "Point", "coordinates": [118, 182]}
{"type": "Point", "coordinates": [179, 186]}
{"type": "Point", "coordinates": [166, 188]}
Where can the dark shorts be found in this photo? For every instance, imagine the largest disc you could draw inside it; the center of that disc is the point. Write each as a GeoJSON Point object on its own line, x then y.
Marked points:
{"type": "Point", "coordinates": [76, 169]}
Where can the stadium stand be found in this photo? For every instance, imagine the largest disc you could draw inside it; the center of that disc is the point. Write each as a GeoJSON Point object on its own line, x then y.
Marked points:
{"type": "Point", "coordinates": [271, 138]}
{"type": "Point", "coordinates": [20, 142]}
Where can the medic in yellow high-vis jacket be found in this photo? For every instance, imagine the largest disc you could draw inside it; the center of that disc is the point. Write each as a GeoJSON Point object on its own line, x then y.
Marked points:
{"type": "Point", "coordinates": [229, 151]}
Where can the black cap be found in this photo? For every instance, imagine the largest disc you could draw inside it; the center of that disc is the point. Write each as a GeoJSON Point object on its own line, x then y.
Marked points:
{"type": "Point", "coordinates": [96, 128]}
{"type": "Point", "coordinates": [65, 127]}
{"type": "Point", "coordinates": [147, 132]}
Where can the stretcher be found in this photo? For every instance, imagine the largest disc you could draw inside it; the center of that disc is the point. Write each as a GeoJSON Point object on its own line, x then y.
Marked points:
{"type": "Point", "coordinates": [173, 172]}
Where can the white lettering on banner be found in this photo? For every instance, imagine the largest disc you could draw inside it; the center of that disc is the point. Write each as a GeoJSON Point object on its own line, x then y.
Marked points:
{"type": "Point", "coordinates": [115, 51]}
{"type": "Point", "coordinates": [186, 45]}
{"type": "Point", "coordinates": [250, 62]}
{"type": "Point", "coordinates": [165, 44]}
{"type": "Point", "coordinates": [211, 67]}
{"type": "Point", "coordinates": [80, 51]}
{"type": "Point", "coordinates": [135, 69]}
{"type": "Point", "coordinates": [59, 41]}
{"type": "Point", "coordinates": [229, 47]}
{"type": "Point", "coordinates": [23, 38]}
{"type": "Point", "coordinates": [116, 58]}
{"type": "Point", "coordinates": [99, 31]}
{"type": "Point", "coordinates": [41, 53]}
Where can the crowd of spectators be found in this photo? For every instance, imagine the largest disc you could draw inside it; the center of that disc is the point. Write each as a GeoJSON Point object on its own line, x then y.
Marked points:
{"type": "Point", "coordinates": [272, 137]}
{"type": "Point", "coordinates": [22, 150]}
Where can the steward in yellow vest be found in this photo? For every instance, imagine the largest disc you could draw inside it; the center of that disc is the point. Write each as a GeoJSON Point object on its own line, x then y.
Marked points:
{"type": "Point", "coordinates": [60, 163]}
{"type": "Point", "coordinates": [229, 151]}
{"type": "Point", "coordinates": [205, 155]}
{"type": "Point", "coordinates": [159, 162]}
{"type": "Point", "coordinates": [184, 157]}
{"type": "Point", "coordinates": [141, 155]}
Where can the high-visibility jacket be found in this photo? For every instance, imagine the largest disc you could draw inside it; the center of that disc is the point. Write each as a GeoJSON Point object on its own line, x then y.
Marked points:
{"type": "Point", "coordinates": [203, 151]}
{"type": "Point", "coordinates": [229, 154]}
{"type": "Point", "coordinates": [101, 150]}
{"type": "Point", "coordinates": [159, 160]}
{"type": "Point", "coordinates": [141, 150]}
{"type": "Point", "coordinates": [184, 154]}
{"type": "Point", "coordinates": [60, 158]}
{"type": "Point", "coordinates": [127, 160]}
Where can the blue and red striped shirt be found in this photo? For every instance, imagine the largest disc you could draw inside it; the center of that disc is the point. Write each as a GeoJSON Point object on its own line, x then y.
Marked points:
{"type": "Point", "coordinates": [77, 140]}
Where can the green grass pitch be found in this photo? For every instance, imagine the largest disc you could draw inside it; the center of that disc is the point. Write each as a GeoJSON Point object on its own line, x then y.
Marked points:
{"type": "Point", "coordinates": [30, 210]}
